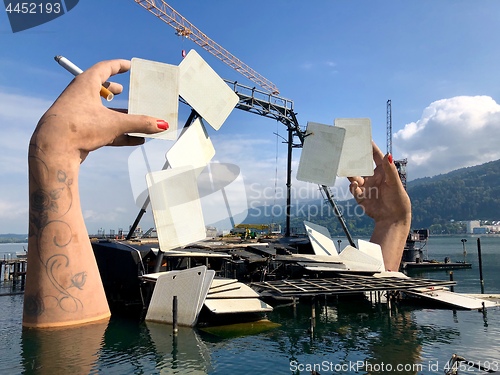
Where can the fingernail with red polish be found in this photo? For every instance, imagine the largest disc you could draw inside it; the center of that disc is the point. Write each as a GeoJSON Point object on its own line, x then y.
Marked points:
{"type": "Point", "coordinates": [389, 157]}
{"type": "Point", "coordinates": [162, 124]}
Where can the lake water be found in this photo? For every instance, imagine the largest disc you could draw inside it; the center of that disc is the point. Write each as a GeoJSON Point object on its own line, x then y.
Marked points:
{"type": "Point", "coordinates": [350, 336]}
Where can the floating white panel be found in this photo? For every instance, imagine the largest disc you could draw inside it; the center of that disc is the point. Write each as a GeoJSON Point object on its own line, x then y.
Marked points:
{"type": "Point", "coordinates": [372, 249]}
{"type": "Point", "coordinates": [453, 299]}
{"type": "Point", "coordinates": [320, 156]}
{"type": "Point", "coordinates": [233, 290]}
{"type": "Point", "coordinates": [193, 148]}
{"type": "Point", "coordinates": [321, 240]}
{"type": "Point", "coordinates": [188, 286]}
{"type": "Point", "coordinates": [237, 305]}
{"type": "Point", "coordinates": [328, 267]}
{"type": "Point", "coordinates": [357, 152]}
{"type": "Point", "coordinates": [207, 282]}
{"type": "Point", "coordinates": [202, 88]}
{"type": "Point", "coordinates": [223, 284]}
{"type": "Point", "coordinates": [176, 207]}
{"type": "Point", "coordinates": [154, 91]}
{"type": "Point", "coordinates": [357, 260]}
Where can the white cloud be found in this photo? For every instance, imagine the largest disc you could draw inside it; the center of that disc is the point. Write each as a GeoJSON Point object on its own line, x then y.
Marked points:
{"type": "Point", "coordinates": [19, 115]}
{"type": "Point", "coordinates": [23, 108]}
{"type": "Point", "coordinates": [18, 118]}
{"type": "Point", "coordinates": [327, 65]}
{"type": "Point", "coordinates": [452, 133]}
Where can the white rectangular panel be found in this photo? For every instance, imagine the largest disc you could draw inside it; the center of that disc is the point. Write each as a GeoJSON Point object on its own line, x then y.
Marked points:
{"type": "Point", "coordinates": [188, 286]}
{"type": "Point", "coordinates": [207, 282]}
{"type": "Point", "coordinates": [202, 88]}
{"type": "Point", "coordinates": [176, 207]}
{"type": "Point", "coordinates": [320, 239]}
{"type": "Point", "coordinates": [357, 260]}
{"type": "Point", "coordinates": [453, 299]}
{"type": "Point", "coordinates": [237, 305]}
{"type": "Point", "coordinates": [357, 151]}
{"type": "Point", "coordinates": [237, 290]}
{"type": "Point", "coordinates": [193, 148]}
{"type": "Point", "coordinates": [320, 155]}
{"type": "Point", "coordinates": [372, 249]}
{"type": "Point", "coordinates": [154, 91]}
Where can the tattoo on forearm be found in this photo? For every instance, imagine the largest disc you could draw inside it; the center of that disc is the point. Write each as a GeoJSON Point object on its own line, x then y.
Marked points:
{"type": "Point", "coordinates": [51, 235]}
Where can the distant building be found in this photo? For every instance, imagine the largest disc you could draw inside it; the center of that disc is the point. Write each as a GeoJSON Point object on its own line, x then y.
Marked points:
{"type": "Point", "coordinates": [211, 232]}
{"type": "Point", "coordinates": [479, 230]}
{"type": "Point", "coordinates": [471, 225]}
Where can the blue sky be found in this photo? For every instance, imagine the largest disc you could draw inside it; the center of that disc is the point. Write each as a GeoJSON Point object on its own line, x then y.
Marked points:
{"type": "Point", "coordinates": [436, 60]}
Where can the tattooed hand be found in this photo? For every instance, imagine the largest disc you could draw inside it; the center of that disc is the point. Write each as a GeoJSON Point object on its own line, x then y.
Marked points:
{"type": "Point", "coordinates": [384, 199]}
{"type": "Point", "coordinates": [78, 122]}
{"type": "Point", "coordinates": [63, 286]}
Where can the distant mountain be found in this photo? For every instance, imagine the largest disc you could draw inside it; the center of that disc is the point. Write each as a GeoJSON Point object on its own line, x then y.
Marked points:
{"type": "Point", "coordinates": [471, 193]}
{"type": "Point", "coordinates": [13, 238]}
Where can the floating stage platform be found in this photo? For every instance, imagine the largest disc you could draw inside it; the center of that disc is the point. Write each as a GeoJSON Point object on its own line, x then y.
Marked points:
{"type": "Point", "coordinates": [434, 266]}
{"type": "Point", "coordinates": [277, 272]}
{"type": "Point", "coordinates": [344, 284]}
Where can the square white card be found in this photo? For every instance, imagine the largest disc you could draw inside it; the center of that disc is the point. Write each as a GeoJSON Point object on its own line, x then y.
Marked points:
{"type": "Point", "coordinates": [154, 91]}
{"type": "Point", "coordinates": [176, 207]}
{"type": "Point", "coordinates": [320, 156]}
{"type": "Point", "coordinates": [193, 148]}
{"type": "Point", "coordinates": [207, 93]}
{"type": "Point", "coordinates": [357, 152]}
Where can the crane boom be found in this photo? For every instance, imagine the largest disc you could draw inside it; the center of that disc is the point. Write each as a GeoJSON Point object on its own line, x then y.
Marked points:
{"type": "Point", "coordinates": [186, 29]}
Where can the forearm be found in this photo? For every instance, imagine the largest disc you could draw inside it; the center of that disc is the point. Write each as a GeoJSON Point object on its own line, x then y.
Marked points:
{"type": "Point", "coordinates": [391, 236]}
{"type": "Point", "coordinates": [63, 285]}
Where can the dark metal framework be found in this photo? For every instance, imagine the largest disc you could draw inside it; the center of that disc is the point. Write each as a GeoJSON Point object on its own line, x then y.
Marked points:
{"type": "Point", "coordinates": [281, 109]}
{"type": "Point", "coordinates": [344, 284]}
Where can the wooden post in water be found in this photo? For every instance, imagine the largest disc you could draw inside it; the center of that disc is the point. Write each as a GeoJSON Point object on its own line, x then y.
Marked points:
{"type": "Point", "coordinates": [174, 315]}
{"type": "Point", "coordinates": [313, 311]}
{"type": "Point", "coordinates": [452, 288]}
{"type": "Point", "coordinates": [480, 264]}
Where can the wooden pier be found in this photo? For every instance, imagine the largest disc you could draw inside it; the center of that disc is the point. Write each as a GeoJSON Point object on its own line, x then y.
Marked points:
{"type": "Point", "coordinates": [13, 269]}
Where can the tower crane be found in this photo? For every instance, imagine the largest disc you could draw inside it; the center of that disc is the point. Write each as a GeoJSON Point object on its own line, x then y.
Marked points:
{"type": "Point", "coordinates": [400, 164]}
{"type": "Point", "coordinates": [186, 29]}
{"type": "Point", "coordinates": [389, 126]}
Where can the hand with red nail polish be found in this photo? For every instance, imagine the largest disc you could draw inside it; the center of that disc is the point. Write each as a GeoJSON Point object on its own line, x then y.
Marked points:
{"type": "Point", "coordinates": [161, 124]}
{"type": "Point", "coordinates": [384, 199]}
{"type": "Point", "coordinates": [63, 285]}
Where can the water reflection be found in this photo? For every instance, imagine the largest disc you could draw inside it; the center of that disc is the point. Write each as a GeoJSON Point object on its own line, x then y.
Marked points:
{"type": "Point", "coordinates": [120, 346]}
{"type": "Point", "coordinates": [182, 353]}
{"type": "Point", "coordinates": [62, 350]}
{"type": "Point", "coordinates": [356, 332]}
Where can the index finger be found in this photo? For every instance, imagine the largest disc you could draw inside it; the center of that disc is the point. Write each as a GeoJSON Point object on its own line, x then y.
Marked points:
{"type": "Point", "coordinates": [378, 156]}
{"type": "Point", "coordinates": [105, 69]}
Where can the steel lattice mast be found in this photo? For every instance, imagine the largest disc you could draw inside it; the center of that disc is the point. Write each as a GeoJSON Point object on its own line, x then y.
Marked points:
{"type": "Point", "coordinates": [186, 29]}
{"type": "Point", "coordinates": [389, 127]}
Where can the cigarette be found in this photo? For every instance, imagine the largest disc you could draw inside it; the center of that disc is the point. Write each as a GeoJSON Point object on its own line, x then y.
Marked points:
{"type": "Point", "coordinates": [73, 69]}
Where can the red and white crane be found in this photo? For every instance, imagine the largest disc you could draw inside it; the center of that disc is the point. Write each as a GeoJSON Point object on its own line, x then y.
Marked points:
{"type": "Point", "coordinates": [184, 28]}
